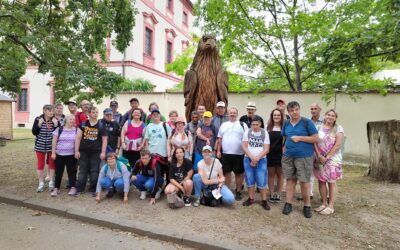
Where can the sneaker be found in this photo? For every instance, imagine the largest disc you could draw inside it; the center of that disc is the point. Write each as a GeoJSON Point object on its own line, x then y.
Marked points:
{"type": "Point", "coordinates": [93, 194]}
{"type": "Point", "coordinates": [77, 194]}
{"type": "Point", "coordinates": [51, 185]}
{"type": "Point", "coordinates": [55, 192]}
{"type": "Point", "coordinates": [196, 202]}
{"type": "Point", "coordinates": [248, 202]}
{"type": "Point", "coordinates": [272, 198]}
{"type": "Point", "coordinates": [265, 205]}
{"type": "Point", "coordinates": [277, 198]}
{"type": "Point", "coordinates": [307, 211]}
{"type": "Point", "coordinates": [158, 194]}
{"type": "Point", "coordinates": [143, 195]}
{"type": "Point", "coordinates": [110, 193]}
{"type": "Point", "coordinates": [72, 191]}
{"type": "Point", "coordinates": [287, 209]}
{"type": "Point", "coordinates": [238, 196]}
{"type": "Point", "coordinates": [186, 200]}
{"type": "Point", "coordinates": [40, 187]}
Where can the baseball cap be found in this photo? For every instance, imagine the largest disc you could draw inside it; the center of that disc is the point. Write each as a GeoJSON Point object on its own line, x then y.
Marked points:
{"type": "Point", "coordinates": [251, 105]}
{"type": "Point", "coordinates": [280, 100]}
{"type": "Point", "coordinates": [107, 111]}
{"type": "Point", "coordinates": [70, 102]}
{"type": "Point", "coordinates": [113, 103]}
{"type": "Point", "coordinates": [155, 111]}
{"type": "Point", "coordinates": [207, 114]}
{"type": "Point", "coordinates": [207, 147]}
{"type": "Point", "coordinates": [180, 119]}
{"type": "Point", "coordinates": [220, 104]}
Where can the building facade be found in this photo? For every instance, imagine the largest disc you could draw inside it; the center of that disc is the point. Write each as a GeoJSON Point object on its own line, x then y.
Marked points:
{"type": "Point", "coordinates": [162, 31]}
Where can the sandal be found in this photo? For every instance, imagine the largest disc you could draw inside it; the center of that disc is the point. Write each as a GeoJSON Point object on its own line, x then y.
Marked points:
{"type": "Point", "coordinates": [327, 211]}
{"type": "Point", "coordinates": [320, 208]}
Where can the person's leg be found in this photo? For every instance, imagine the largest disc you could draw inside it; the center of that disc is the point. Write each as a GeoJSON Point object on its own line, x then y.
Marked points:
{"type": "Point", "coordinates": [51, 167]}
{"type": "Point", "coordinates": [290, 190]}
{"type": "Point", "coordinates": [262, 178]}
{"type": "Point", "coordinates": [289, 171]}
{"type": "Point", "coordinates": [40, 156]}
{"type": "Point", "coordinates": [60, 162]}
{"type": "Point", "coordinates": [188, 187]}
{"type": "Point", "coordinates": [227, 196]}
{"type": "Point", "coordinates": [139, 182]}
{"type": "Point", "coordinates": [198, 185]}
{"type": "Point", "coordinates": [83, 171]}
{"type": "Point", "coordinates": [279, 176]}
{"type": "Point", "coordinates": [170, 188]}
{"type": "Point", "coordinates": [238, 169]}
{"type": "Point", "coordinates": [303, 173]}
{"type": "Point", "coordinates": [119, 184]}
{"type": "Point", "coordinates": [106, 183]}
{"type": "Point", "coordinates": [197, 157]}
{"type": "Point", "coordinates": [250, 180]}
{"type": "Point", "coordinates": [94, 170]}
{"type": "Point", "coordinates": [332, 193]}
{"type": "Point", "coordinates": [227, 169]}
{"type": "Point", "coordinates": [305, 193]}
{"type": "Point", "coordinates": [312, 185]}
{"type": "Point", "coordinates": [71, 170]}
{"type": "Point", "coordinates": [271, 179]}
{"type": "Point", "coordinates": [323, 192]}
{"type": "Point", "coordinates": [149, 184]}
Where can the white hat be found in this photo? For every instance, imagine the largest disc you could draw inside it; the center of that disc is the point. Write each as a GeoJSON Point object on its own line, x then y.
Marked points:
{"type": "Point", "coordinates": [207, 147]}
{"type": "Point", "coordinates": [251, 105]}
{"type": "Point", "coordinates": [221, 104]}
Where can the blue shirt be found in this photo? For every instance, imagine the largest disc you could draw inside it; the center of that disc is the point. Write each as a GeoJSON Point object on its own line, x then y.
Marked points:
{"type": "Point", "coordinates": [299, 149]}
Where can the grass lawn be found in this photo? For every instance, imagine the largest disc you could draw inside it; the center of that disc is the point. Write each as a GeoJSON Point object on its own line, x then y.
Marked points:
{"type": "Point", "coordinates": [22, 133]}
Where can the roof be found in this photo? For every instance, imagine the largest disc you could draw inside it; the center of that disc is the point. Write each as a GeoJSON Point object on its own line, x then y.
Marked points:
{"type": "Point", "coordinates": [5, 98]}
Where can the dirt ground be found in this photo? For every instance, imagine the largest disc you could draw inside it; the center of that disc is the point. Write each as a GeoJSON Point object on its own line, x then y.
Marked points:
{"type": "Point", "coordinates": [366, 212]}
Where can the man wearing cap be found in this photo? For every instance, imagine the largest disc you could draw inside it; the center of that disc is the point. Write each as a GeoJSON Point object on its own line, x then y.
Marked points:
{"type": "Point", "coordinates": [116, 115]}
{"type": "Point", "coordinates": [113, 131]}
{"type": "Point", "coordinates": [72, 107]}
{"type": "Point", "coordinates": [251, 113]}
{"type": "Point", "coordinates": [82, 117]}
{"type": "Point", "coordinates": [134, 102]}
{"type": "Point", "coordinates": [205, 136]}
{"type": "Point", "coordinates": [281, 105]}
{"type": "Point", "coordinates": [219, 118]}
{"type": "Point", "coordinates": [229, 150]}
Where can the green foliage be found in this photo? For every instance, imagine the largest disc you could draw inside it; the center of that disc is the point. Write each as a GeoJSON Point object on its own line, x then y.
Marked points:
{"type": "Point", "coordinates": [308, 45]}
{"type": "Point", "coordinates": [62, 37]}
{"type": "Point", "coordinates": [137, 85]}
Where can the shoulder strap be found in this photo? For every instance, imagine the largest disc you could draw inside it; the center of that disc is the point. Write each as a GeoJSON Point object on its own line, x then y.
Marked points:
{"type": "Point", "coordinates": [305, 123]}
{"type": "Point", "coordinates": [212, 167]}
{"type": "Point", "coordinates": [263, 134]}
{"type": "Point", "coordinates": [105, 169]}
{"type": "Point", "coordinates": [153, 163]}
{"type": "Point", "coordinates": [129, 122]}
{"type": "Point", "coordinates": [165, 129]}
{"type": "Point", "coordinates": [241, 124]}
{"type": "Point", "coordinates": [119, 167]}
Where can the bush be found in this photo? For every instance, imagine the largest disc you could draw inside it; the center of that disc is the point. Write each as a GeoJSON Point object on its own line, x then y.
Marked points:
{"type": "Point", "coordinates": [137, 85]}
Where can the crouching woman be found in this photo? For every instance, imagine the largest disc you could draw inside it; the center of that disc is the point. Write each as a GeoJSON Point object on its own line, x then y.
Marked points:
{"type": "Point", "coordinates": [114, 177]}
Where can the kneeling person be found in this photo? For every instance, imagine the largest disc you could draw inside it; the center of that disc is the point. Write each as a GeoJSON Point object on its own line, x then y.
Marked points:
{"type": "Point", "coordinates": [146, 176]}
{"type": "Point", "coordinates": [180, 177]}
{"type": "Point", "coordinates": [114, 177]}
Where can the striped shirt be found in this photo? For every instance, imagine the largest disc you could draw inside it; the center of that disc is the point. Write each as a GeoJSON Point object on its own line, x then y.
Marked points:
{"type": "Point", "coordinates": [44, 134]}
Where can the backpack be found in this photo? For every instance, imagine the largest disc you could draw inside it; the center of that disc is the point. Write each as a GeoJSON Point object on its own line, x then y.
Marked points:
{"type": "Point", "coordinates": [304, 123]}
{"type": "Point", "coordinates": [155, 158]}
{"type": "Point", "coordinates": [120, 160]}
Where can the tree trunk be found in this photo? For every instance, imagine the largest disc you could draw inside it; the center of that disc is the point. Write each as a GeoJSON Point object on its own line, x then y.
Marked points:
{"type": "Point", "coordinates": [384, 146]}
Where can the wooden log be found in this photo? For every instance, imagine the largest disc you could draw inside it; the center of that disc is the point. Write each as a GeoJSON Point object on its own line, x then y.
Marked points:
{"type": "Point", "coordinates": [384, 146]}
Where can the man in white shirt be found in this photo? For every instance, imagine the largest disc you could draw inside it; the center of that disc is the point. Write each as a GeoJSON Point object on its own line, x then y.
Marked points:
{"type": "Point", "coordinates": [229, 150]}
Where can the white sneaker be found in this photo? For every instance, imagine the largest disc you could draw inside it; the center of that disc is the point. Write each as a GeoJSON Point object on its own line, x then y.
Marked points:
{"type": "Point", "coordinates": [143, 195]}
{"type": "Point", "coordinates": [55, 192]}
{"type": "Point", "coordinates": [40, 187]}
{"type": "Point", "coordinates": [158, 194]}
{"type": "Point", "coordinates": [51, 185]}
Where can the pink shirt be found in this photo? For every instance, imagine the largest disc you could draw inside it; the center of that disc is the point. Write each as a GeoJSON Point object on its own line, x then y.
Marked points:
{"type": "Point", "coordinates": [133, 136]}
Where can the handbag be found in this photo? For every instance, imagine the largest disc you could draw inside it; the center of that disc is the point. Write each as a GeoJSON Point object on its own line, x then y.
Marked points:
{"type": "Point", "coordinates": [208, 198]}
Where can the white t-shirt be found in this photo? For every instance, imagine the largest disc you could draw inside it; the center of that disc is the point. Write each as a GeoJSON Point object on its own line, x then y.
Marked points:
{"type": "Point", "coordinates": [256, 145]}
{"type": "Point", "coordinates": [206, 169]}
{"type": "Point", "coordinates": [155, 133]}
{"type": "Point", "coordinates": [232, 134]}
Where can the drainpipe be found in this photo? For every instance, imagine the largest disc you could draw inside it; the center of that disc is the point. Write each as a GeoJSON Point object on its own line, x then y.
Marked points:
{"type": "Point", "coordinates": [123, 63]}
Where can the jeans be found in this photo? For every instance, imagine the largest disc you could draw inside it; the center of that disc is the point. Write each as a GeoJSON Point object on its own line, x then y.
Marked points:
{"type": "Point", "coordinates": [197, 157]}
{"type": "Point", "coordinates": [145, 183]}
{"type": "Point", "coordinates": [258, 174]}
{"type": "Point", "coordinates": [108, 184]}
{"type": "Point", "coordinates": [227, 196]}
{"type": "Point", "coordinates": [70, 162]}
{"type": "Point", "coordinates": [89, 162]}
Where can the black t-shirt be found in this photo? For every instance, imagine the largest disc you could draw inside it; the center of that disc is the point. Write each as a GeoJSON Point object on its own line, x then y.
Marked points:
{"type": "Point", "coordinates": [91, 137]}
{"type": "Point", "coordinates": [179, 173]}
{"type": "Point", "coordinates": [274, 156]}
{"type": "Point", "coordinates": [249, 120]}
{"type": "Point", "coordinates": [113, 132]}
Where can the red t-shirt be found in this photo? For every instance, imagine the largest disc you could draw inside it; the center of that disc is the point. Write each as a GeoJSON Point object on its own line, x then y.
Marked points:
{"type": "Point", "coordinates": [80, 118]}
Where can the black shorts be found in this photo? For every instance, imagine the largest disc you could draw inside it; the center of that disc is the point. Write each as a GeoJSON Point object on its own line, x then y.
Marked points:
{"type": "Point", "coordinates": [232, 163]}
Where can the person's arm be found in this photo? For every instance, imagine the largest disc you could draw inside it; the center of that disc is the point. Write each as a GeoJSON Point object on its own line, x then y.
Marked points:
{"type": "Point", "coordinates": [122, 138]}
{"type": "Point", "coordinates": [126, 178]}
{"type": "Point", "coordinates": [308, 139]}
{"type": "Point", "coordinates": [173, 181]}
{"type": "Point", "coordinates": [54, 144]}
{"type": "Point", "coordinates": [200, 135]}
{"type": "Point", "coordinates": [134, 171]}
{"type": "Point", "coordinates": [190, 171]}
{"type": "Point", "coordinates": [78, 143]}
{"type": "Point", "coordinates": [119, 136]}
{"type": "Point", "coordinates": [283, 144]}
{"type": "Point", "coordinates": [169, 148]}
{"type": "Point", "coordinates": [98, 186]}
{"type": "Point", "coordinates": [157, 183]}
{"type": "Point", "coordinates": [221, 178]}
{"type": "Point", "coordinates": [37, 124]}
{"type": "Point", "coordinates": [205, 179]}
{"type": "Point", "coordinates": [264, 152]}
{"type": "Point", "coordinates": [245, 147]}
{"type": "Point", "coordinates": [190, 139]}
{"type": "Point", "coordinates": [218, 143]}
{"type": "Point", "coordinates": [103, 147]}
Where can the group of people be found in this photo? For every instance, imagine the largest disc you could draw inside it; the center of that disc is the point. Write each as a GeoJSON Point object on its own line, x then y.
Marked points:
{"type": "Point", "coordinates": [186, 160]}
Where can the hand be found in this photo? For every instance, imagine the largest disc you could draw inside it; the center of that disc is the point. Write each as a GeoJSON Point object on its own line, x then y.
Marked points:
{"type": "Point", "coordinates": [123, 146]}
{"type": "Point", "coordinates": [77, 155]}
{"type": "Point", "coordinates": [40, 122]}
{"type": "Point", "coordinates": [190, 158]}
{"type": "Point", "coordinates": [323, 159]}
{"type": "Point", "coordinates": [125, 200]}
{"type": "Point", "coordinates": [103, 156]}
{"type": "Point", "coordinates": [208, 142]}
{"type": "Point", "coordinates": [55, 121]}
{"type": "Point", "coordinates": [133, 178]}
{"type": "Point", "coordinates": [152, 201]}
{"type": "Point", "coordinates": [169, 159]}
{"type": "Point", "coordinates": [53, 156]}
{"type": "Point", "coordinates": [295, 138]}
{"type": "Point", "coordinates": [98, 198]}
{"type": "Point", "coordinates": [219, 154]}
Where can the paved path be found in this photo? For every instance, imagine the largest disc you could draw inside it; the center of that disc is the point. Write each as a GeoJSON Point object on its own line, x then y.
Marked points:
{"type": "Point", "coordinates": [23, 228]}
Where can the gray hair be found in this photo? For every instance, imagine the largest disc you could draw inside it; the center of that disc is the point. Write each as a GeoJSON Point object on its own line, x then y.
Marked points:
{"type": "Point", "coordinates": [292, 104]}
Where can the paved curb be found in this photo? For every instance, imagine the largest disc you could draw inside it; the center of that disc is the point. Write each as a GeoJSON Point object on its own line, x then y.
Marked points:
{"type": "Point", "coordinates": [137, 227]}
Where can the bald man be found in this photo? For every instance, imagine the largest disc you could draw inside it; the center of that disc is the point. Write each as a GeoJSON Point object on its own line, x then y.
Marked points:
{"type": "Point", "coordinates": [316, 117]}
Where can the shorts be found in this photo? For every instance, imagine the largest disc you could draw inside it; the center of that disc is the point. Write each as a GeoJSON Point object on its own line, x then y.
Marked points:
{"type": "Point", "coordinates": [257, 174]}
{"type": "Point", "coordinates": [232, 163]}
{"type": "Point", "coordinates": [297, 168]}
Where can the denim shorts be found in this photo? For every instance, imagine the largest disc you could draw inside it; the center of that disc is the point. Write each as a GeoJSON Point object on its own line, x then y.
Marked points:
{"type": "Point", "coordinates": [258, 174]}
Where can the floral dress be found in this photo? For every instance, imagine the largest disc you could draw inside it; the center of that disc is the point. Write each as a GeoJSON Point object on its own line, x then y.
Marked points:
{"type": "Point", "coordinates": [332, 170]}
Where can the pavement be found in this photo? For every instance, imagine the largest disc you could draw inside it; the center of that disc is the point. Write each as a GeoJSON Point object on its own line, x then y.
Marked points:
{"type": "Point", "coordinates": [113, 222]}
{"type": "Point", "coordinates": [22, 228]}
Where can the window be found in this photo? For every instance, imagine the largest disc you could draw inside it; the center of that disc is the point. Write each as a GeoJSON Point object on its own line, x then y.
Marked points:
{"type": "Point", "coordinates": [23, 100]}
{"type": "Point", "coordinates": [170, 5]}
{"type": "Point", "coordinates": [169, 52]}
{"type": "Point", "coordinates": [148, 44]}
{"type": "Point", "coordinates": [185, 18]}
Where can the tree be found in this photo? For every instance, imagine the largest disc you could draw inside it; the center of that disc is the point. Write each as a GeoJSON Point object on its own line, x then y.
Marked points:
{"type": "Point", "coordinates": [63, 37]}
{"type": "Point", "coordinates": [306, 45]}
